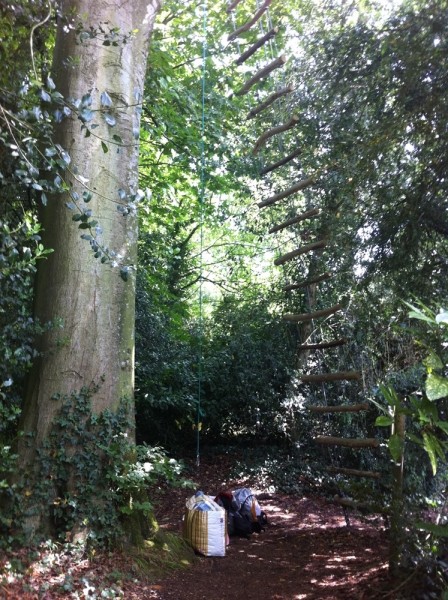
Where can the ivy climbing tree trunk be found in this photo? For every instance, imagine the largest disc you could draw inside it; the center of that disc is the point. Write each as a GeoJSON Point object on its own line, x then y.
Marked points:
{"type": "Point", "coordinates": [99, 66]}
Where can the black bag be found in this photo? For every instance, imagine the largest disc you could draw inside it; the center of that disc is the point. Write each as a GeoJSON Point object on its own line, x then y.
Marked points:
{"type": "Point", "coordinates": [244, 515]}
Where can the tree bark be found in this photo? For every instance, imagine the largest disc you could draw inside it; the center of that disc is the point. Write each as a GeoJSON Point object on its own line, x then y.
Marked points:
{"type": "Point", "coordinates": [95, 343]}
{"type": "Point", "coordinates": [397, 522]}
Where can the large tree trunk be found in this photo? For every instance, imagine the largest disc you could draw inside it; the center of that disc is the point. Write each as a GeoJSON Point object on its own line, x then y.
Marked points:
{"type": "Point", "coordinates": [95, 343]}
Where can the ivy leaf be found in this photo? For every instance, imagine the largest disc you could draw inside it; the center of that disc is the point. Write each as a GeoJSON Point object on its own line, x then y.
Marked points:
{"type": "Point", "coordinates": [50, 83]}
{"type": "Point", "coordinates": [86, 115]}
{"type": "Point", "coordinates": [49, 152]}
{"type": "Point", "coordinates": [105, 99]}
{"type": "Point", "coordinates": [124, 273]}
{"type": "Point", "coordinates": [86, 100]}
{"type": "Point", "coordinates": [436, 386]}
{"type": "Point", "coordinates": [44, 96]}
{"type": "Point", "coordinates": [110, 119]}
{"type": "Point", "coordinates": [105, 147]}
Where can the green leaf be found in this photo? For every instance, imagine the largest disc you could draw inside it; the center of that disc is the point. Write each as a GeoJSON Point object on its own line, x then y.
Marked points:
{"type": "Point", "coordinates": [437, 530]}
{"type": "Point", "coordinates": [395, 445]}
{"type": "Point", "coordinates": [443, 425]}
{"type": "Point", "coordinates": [433, 361]}
{"type": "Point", "coordinates": [390, 395]}
{"type": "Point", "coordinates": [105, 147]}
{"type": "Point", "coordinates": [414, 439]}
{"type": "Point", "coordinates": [433, 448]}
{"type": "Point", "coordinates": [417, 313]}
{"type": "Point", "coordinates": [436, 386]}
{"type": "Point", "coordinates": [384, 421]}
{"type": "Point", "coordinates": [124, 273]}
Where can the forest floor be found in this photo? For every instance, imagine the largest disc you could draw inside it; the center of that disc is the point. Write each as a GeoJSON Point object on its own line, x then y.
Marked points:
{"type": "Point", "coordinates": [307, 552]}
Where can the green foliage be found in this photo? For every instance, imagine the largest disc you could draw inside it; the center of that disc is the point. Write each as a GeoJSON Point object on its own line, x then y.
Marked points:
{"type": "Point", "coordinates": [20, 249]}
{"type": "Point", "coordinates": [372, 104]}
{"type": "Point", "coordinates": [247, 372]}
{"type": "Point", "coordinates": [91, 477]}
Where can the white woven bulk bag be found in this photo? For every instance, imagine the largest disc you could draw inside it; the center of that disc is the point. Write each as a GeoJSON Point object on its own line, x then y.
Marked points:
{"type": "Point", "coordinates": [205, 526]}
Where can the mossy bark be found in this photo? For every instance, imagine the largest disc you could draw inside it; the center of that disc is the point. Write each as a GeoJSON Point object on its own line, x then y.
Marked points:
{"type": "Point", "coordinates": [95, 341]}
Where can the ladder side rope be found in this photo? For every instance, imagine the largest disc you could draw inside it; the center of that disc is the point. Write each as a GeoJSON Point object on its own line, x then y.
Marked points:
{"type": "Point", "coordinates": [202, 191]}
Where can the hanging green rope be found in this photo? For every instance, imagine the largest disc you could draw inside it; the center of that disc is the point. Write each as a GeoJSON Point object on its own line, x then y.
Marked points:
{"type": "Point", "coordinates": [201, 229]}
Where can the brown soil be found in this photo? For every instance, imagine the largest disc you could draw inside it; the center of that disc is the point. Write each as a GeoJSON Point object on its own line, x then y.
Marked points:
{"type": "Point", "coordinates": [307, 552]}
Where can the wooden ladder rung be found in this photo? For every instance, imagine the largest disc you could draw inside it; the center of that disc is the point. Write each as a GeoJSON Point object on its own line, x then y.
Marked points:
{"type": "Point", "coordinates": [342, 408]}
{"type": "Point", "coordinates": [233, 5]}
{"type": "Point", "coordinates": [322, 377]}
{"type": "Point", "coordinates": [297, 152]}
{"type": "Point", "coordinates": [260, 12]}
{"type": "Point", "coordinates": [281, 260]}
{"type": "Point", "coordinates": [264, 137]}
{"type": "Point", "coordinates": [261, 74]}
{"type": "Point", "coordinates": [301, 185]}
{"type": "Point", "coordinates": [323, 345]}
{"type": "Point", "coordinates": [354, 472]}
{"type": "Point", "coordinates": [309, 214]}
{"type": "Point", "coordinates": [306, 282]}
{"type": "Point", "coordinates": [347, 442]}
{"type": "Point", "coordinates": [269, 100]}
{"type": "Point", "coordinates": [258, 44]}
{"type": "Point", "coordinates": [314, 315]}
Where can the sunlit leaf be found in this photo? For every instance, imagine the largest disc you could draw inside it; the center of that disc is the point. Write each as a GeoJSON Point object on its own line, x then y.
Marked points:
{"type": "Point", "coordinates": [436, 386]}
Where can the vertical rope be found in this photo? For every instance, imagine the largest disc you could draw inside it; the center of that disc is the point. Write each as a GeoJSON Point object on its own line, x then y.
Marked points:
{"type": "Point", "coordinates": [201, 230]}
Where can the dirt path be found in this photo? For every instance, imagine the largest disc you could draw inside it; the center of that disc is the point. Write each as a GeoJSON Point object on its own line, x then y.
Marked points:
{"type": "Point", "coordinates": [306, 553]}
